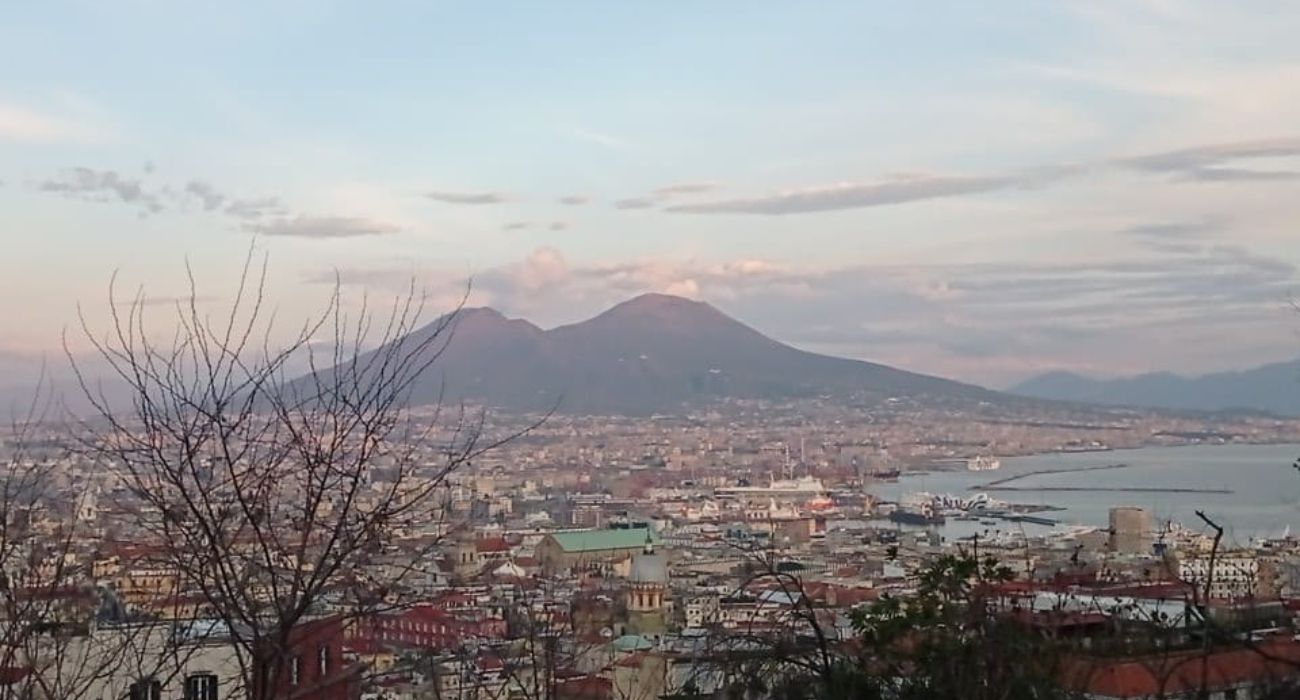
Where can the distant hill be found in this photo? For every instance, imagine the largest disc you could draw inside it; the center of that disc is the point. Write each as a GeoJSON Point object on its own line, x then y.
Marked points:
{"type": "Point", "coordinates": [654, 353]}
{"type": "Point", "coordinates": [1273, 388]}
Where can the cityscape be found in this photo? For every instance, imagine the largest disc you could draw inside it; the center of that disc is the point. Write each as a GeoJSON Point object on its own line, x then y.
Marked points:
{"type": "Point", "coordinates": [504, 352]}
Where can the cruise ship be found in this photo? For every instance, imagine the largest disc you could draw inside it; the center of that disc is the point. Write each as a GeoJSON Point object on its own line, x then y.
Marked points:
{"type": "Point", "coordinates": [806, 487]}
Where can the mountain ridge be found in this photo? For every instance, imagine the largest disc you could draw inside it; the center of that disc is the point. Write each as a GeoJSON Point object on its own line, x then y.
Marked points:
{"type": "Point", "coordinates": [651, 353]}
{"type": "Point", "coordinates": [1271, 388]}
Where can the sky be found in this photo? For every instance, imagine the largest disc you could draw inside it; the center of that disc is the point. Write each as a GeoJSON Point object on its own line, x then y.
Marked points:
{"type": "Point", "coordinates": [984, 191]}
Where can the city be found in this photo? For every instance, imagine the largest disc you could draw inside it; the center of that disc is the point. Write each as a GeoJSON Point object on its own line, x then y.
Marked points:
{"type": "Point", "coordinates": [649, 351]}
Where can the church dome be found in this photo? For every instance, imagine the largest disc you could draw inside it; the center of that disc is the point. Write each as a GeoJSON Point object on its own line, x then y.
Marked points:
{"type": "Point", "coordinates": [649, 568]}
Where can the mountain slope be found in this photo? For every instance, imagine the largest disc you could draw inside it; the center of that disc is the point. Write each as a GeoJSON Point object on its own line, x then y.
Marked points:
{"type": "Point", "coordinates": [1274, 388]}
{"type": "Point", "coordinates": [654, 353]}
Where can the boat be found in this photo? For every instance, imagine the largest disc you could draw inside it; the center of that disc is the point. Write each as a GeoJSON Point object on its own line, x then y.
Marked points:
{"type": "Point", "coordinates": [886, 474]}
{"type": "Point", "coordinates": [980, 463]}
{"type": "Point", "coordinates": [918, 509]}
{"type": "Point", "coordinates": [907, 516]}
{"type": "Point", "coordinates": [1032, 520]}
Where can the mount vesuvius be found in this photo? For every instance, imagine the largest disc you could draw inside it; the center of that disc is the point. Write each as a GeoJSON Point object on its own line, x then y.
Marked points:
{"type": "Point", "coordinates": [654, 353]}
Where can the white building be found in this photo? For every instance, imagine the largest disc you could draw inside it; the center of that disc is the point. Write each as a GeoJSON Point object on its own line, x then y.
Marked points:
{"type": "Point", "coordinates": [703, 611]}
{"type": "Point", "coordinates": [149, 661]}
{"type": "Point", "coordinates": [1234, 576]}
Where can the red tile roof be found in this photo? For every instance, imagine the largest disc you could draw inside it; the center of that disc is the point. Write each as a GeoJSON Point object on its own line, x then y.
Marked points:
{"type": "Point", "coordinates": [1182, 673]}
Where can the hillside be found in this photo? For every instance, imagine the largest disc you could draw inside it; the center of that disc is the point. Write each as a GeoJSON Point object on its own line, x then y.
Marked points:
{"type": "Point", "coordinates": [651, 354]}
{"type": "Point", "coordinates": [1273, 388]}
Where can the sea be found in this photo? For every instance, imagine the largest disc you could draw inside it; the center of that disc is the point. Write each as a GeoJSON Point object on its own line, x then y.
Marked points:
{"type": "Point", "coordinates": [1257, 488]}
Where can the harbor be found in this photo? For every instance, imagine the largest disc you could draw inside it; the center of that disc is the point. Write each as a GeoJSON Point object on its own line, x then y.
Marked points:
{"type": "Point", "coordinates": [1251, 489]}
{"type": "Point", "coordinates": [1003, 483]}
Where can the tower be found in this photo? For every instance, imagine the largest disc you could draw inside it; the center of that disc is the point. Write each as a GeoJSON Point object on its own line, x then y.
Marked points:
{"type": "Point", "coordinates": [646, 591]}
{"type": "Point", "coordinates": [1130, 531]}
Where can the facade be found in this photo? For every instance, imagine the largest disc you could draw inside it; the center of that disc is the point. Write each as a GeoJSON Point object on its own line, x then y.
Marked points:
{"type": "Point", "coordinates": [425, 626]}
{"type": "Point", "coordinates": [1130, 531]}
{"type": "Point", "coordinates": [563, 551]}
{"type": "Point", "coordinates": [703, 611]}
{"type": "Point", "coordinates": [1234, 576]}
{"type": "Point", "coordinates": [316, 667]}
{"type": "Point", "coordinates": [148, 661]}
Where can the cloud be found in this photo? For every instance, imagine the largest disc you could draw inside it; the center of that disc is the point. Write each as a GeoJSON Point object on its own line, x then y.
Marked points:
{"type": "Point", "coordinates": [1208, 163]}
{"type": "Point", "coordinates": [991, 322]}
{"type": "Point", "coordinates": [664, 194]}
{"type": "Point", "coordinates": [685, 188]}
{"type": "Point", "coordinates": [322, 227]}
{"type": "Point", "coordinates": [1174, 231]}
{"type": "Point", "coordinates": [211, 199]}
{"type": "Point", "coordinates": [468, 197]}
{"type": "Point", "coordinates": [634, 203]}
{"type": "Point", "coordinates": [853, 196]}
{"type": "Point", "coordinates": [574, 200]}
{"type": "Point", "coordinates": [1212, 162]}
{"type": "Point", "coordinates": [244, 210]}
{"type": "Point", "coordinates": [250, 209]}
{"type": "Point", "coordinates": [92, 185]}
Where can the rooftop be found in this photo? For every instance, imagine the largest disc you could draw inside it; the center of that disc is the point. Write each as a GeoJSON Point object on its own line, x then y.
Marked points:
{"type": "Point", "coordinates": [600, 540]}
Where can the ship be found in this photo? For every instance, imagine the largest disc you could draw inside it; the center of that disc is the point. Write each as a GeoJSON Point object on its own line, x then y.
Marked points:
{"type": "Point", "coordinates": [980, 463]}
{"type": "Point", "coordinates": [805, 487]}
{"type": "Point", "coordinates": [918, 509]}
{"type": "Point", "coordinates": [886, 474]}
{"type": "Point", "coordinates": [908, 516]}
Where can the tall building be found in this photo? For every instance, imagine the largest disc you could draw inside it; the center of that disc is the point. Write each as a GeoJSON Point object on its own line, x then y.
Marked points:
{"type": "Point", "coordinates": [647, 584]}
{"type": "Point", "coordinates": [1130, 531]}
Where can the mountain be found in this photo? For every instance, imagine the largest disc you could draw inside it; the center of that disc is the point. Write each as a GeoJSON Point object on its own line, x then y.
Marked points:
{"type": "Point", "coordinates": [1273, 388]}
{"type": "Point", "coordinates": [654, 353]}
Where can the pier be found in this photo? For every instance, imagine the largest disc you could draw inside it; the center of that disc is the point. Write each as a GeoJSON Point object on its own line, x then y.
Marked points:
{"type": "Point", "coordinates": [1114, 489]}
{"type": "Point", "coordinates": [993, 485]}
{"type": "Point", "coordinates": [1002, 484]}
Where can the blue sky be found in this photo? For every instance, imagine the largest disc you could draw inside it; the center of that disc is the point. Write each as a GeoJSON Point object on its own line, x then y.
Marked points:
{"type": "Point", "coordinates": [983, 191]}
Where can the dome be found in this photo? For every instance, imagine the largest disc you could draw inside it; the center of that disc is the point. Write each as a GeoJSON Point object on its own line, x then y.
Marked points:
{"type": "Point", "coordinates": [649, 568]}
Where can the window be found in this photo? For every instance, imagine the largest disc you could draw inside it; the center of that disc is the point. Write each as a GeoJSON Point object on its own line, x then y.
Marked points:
{"type": "Point", "coordinates": [201, 686]}
{"type": "Point", "coordinates": [146, 689]}
{"type": "Point", "coordinates": [295, 670]}
{"type": "Point", "coordinates": [323, 659]}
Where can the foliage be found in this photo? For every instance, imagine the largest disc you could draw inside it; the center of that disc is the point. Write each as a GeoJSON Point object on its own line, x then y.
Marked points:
{"type": "Point", "coordinates": [940, 642]}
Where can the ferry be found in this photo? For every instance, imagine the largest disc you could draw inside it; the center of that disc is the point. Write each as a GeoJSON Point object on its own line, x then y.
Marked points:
{"type": "Point", "coordinates": [921, 516]}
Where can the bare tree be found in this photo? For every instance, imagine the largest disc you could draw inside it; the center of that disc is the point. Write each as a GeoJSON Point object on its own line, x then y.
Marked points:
{"type": "Point", "coordinates": [57, 636]}
{"type": "Point", "coordinates": [274, 494]}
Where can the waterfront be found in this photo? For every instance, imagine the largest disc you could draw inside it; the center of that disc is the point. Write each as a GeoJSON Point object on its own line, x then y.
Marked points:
{"type": "Point", "coordinates": [1252, 490]}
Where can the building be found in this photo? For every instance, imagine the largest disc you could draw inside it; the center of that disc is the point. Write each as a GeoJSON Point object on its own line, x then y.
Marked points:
{"type": "Point", "coordinates": [1234, 575]}
{"type": "Point", "coordinates": [585, 549]}
{"type": "Point", "coordinates": [1220, 675]}
{"type": "Point", "coordinates": [647, 585]}
{"type": "Point", "coordinates": [196, 661]}
{"type": "Point", "coordinates": [1130, 531]}
{"type": "Point", "coordinates": [703, 611]}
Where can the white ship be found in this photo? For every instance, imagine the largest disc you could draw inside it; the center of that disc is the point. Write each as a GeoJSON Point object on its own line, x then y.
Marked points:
{"type": "Point", "coordinates": [803, 487]}
{"type": "Point", "coordinates": [981, 463]}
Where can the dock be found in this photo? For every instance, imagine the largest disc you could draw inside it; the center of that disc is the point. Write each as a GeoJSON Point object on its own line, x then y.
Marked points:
{"type": "Point", "coordinates": [993, 485]}
{"type": "Point", "coordinates": [1002, 484]}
